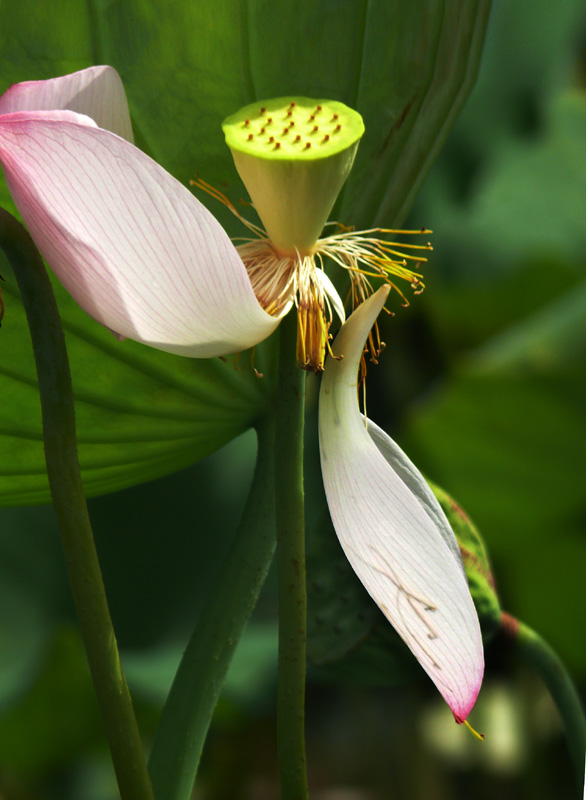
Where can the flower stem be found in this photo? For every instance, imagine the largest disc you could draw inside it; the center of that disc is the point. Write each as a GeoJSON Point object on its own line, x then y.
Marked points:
{"type": "Point", "coordinates": [291, 565]}
{"type": "Point", "coordinates": [537, 652]}
{"type": "Point", "coordinates": [187, 713]}
{"type": "Point", "coordinates": [71, 509]}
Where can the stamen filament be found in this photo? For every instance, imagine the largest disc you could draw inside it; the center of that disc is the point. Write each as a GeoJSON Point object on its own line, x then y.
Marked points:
{"type": "Point", "coordinates": [278, 279]}
{"type": "Point", "coordinates": [480, 736]}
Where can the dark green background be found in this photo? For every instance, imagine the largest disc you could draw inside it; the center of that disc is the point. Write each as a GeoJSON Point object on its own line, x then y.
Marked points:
{"type": "Point", "coordinates": [482, 382]}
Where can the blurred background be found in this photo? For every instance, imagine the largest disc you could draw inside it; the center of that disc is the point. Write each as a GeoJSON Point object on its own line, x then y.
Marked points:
{"type": "Point", "coordinates": [483, 383]}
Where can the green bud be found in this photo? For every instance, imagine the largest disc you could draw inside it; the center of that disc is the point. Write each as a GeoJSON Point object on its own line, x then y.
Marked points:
{"type": "Point", "coordinates": [293, 155]}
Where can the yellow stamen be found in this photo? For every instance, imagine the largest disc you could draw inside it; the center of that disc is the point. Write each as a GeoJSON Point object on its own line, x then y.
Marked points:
{"type": "Point", "coordinates": [365, 255]}
{"type": "Point", "coordinates": [480, 736]}
{"type": "Point", "coordinates": [279, 278]}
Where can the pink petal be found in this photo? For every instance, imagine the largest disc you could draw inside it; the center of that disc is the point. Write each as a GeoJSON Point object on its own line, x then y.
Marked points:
{"type": "Point", "coordinates": [96, 92]}
{"type": "Point", "coordinates": [130, 243]}
{"type": "Point", "coordinates": [394, 534]}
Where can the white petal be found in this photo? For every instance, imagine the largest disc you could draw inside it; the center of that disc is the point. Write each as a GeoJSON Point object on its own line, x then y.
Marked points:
{"type": "Point", "coordinates": [391, 531]}
{"type": "Point", "coordinates": [96, 92]}
{"type": "Point", "coordinates": [130, 243]}
{"type": "Point", "coordinates": [412, 478]}
{"type": "Point", "coordinates": [331, 293]}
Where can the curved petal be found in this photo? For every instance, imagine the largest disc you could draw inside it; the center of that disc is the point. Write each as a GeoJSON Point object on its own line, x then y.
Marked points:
{"type": "Point", "coordinates": [414, 480]}
{"type": "Point", "coordinates": [130, 243]}
{"type": "Point", "coordinates": [96, 92]}
{"type": "Point", "coordinates": [331, 293]}
{"type": "Point", "coordinates": [392, 532]}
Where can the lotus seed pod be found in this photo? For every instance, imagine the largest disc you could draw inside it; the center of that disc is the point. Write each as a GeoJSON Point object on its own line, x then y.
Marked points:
{"type": "Point", "coordinates": [293, 155]}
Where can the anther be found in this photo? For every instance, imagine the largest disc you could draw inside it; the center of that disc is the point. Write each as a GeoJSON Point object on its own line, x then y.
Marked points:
{"type": "Point", "coordinates": [250, 137]}
{"type": "Point", "coordinates": [335, 117]}
{"type": "Point", "coordinates": [292, 123]}
{"type": "Point", "coordinates": [298, 138]}
{"type": "Point", "coordinates": [292, 104]}
{"type": "Point", "coordinates": [311, 118]}
{"type": "Point", "coordinates": [318, 108]}
{"type": "Point", "coordinates": [285, 130]}
{"type": "Point", "coordinates": [246, 123]}
{"type": "Point", "coordinates": [289, 113]}
{"type": "Point", "coordinates": [315, 129]}
{"type": "Point", "coordinates": [326, 138]}
{"type": "Point", "coordinates": [262, 130]}
{"type": "Point", "coordinates": [271, 139]}
{"type": "Point", "coordinates": [269, 120]}
{"type": "Point", "coordinates": [277, 146]}
{"type": "Point", "coordinates": [262, 111]}
{"type": "Point", "coordinates": [307, 145]}
{"type": "Point", "coordinates": [337, 128]}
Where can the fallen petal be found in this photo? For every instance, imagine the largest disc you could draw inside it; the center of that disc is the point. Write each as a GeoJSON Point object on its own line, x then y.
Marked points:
{"type": "Point", "coordinates": [394, 535]}
{"type": "Point", "coordinates": [96, 92]}
{"type": "Point", "coordinates": [131, 244]}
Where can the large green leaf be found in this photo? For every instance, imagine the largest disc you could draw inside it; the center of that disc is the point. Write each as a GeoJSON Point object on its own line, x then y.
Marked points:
{"type": "Point", "coordinates": [186, 65]}
{"type": "Point", "coordinates": [140, 413]}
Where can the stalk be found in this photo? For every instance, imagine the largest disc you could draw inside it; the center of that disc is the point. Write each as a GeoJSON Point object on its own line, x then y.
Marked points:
{"type": "Point", "coordinates": [291, 566]}
{"type": "Point", "coordinates": [197, 685]}
{"type": "Point", "coordinates": [66, 487]}
{"type": "Point", "coordinates": [543, 658]}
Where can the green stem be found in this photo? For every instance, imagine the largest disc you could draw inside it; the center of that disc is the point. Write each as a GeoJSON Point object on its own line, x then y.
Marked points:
{"type": "Point", "coordinates": [186, 717]}
{"type": "Point", "coordinates": [547, 663]}
{"type": "Point", "coordinates": [291, 566]}
{"type": "Point", "coordinates": [70, 506]}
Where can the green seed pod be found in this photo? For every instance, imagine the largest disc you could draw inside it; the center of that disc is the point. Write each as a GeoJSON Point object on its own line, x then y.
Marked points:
{"type": "Point", "coordinates": [293, 155]}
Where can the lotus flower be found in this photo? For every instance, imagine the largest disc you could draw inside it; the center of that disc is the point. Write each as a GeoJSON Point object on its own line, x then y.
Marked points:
{"type": "Point", "coordinates": [147, 260]}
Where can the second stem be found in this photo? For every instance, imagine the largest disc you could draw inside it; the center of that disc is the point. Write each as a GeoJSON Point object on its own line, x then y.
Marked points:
{"type": "Point", "coordinates": [290, 523]}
